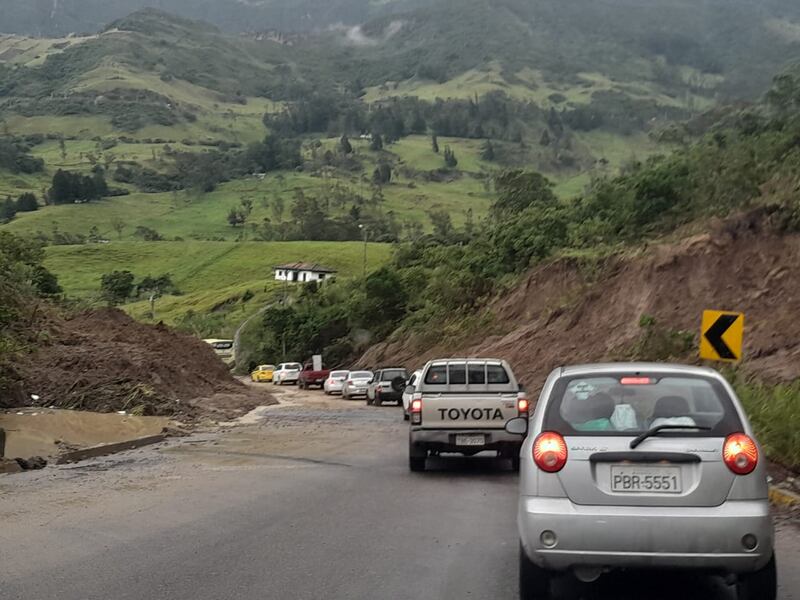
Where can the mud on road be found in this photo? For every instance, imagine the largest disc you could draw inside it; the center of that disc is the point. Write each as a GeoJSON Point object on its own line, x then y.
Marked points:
{"type": "Point", "coordinates": [308, 499]}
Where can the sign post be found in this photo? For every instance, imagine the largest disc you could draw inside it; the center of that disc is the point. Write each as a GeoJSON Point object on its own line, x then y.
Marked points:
{"type": "Point", "coordinates": [722, 335]}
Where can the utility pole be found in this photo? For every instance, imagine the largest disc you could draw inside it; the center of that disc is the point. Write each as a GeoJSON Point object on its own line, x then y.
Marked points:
{"type": "Point", "coordinates": [366, 233]}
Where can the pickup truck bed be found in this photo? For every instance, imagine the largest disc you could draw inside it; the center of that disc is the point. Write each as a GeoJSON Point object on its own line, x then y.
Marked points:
{"type": "Point", "coordinates": [309, 377]}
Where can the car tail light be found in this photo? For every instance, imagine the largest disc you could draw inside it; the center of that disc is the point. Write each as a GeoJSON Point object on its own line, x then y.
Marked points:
{"type": "Point", "coordinates": [416, 410]}
{"type": "Point", "coordinates": [523, 405]}
{"type": "Point", "coordinates": [740, 453]}
{"type": "Point", "coordinates": [550, 451]}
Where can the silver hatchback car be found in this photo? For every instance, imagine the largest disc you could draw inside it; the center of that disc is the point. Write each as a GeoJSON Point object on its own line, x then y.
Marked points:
{"type": "Point", "coordinates": [642, 466]}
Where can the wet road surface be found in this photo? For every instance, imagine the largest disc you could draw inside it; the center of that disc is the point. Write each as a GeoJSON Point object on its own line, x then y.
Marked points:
{"type": "Point", "coordinates": [314, 500]}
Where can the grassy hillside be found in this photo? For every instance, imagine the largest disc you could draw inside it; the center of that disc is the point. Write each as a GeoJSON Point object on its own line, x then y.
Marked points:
{"type": "Point", "coordinates": [212, 276]}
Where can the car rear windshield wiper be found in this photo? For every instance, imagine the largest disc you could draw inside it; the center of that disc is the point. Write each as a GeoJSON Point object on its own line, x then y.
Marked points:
{"type": "Point", "coordinates": [656, 430]}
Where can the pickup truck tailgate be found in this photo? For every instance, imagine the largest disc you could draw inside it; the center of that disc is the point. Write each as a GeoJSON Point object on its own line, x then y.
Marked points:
{"type": "Point", "coordinates": [468, 411]}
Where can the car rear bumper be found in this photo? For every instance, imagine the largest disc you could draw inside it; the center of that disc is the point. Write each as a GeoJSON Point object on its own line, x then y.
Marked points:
{"type": "Point", "coordinates": [646, 537]}
{"type": "Point", "coordinates": [445, 439]}
{"type": "Point", "coordinates": [356, 391]}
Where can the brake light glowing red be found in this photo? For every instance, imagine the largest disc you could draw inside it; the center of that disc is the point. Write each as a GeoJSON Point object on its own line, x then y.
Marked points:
{"type": "Point", "coordinates": [550, 451]}
{"type": "Point", "coordinates": [415, 410]}
{"type": "Point", "coordinates": [522, 406]}
{"type": "Point", "coordinates": [740, 453]}
{"type": "Point", "coordinates": [636, 381]}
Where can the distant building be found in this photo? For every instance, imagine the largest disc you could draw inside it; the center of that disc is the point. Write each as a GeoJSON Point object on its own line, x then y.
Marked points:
{"type": "Point", "coordinates": [303, 272]}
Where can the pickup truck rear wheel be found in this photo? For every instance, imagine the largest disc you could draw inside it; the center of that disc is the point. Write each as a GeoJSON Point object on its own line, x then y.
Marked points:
{"type": "Point", "coordinates": [534, 582]}
{"type": "Point", "coordinates": [416, 457]}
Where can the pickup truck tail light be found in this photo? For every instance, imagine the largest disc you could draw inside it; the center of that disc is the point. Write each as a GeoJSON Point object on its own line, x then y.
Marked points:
{"type": "Point", "coordinates": [523, 405]}
{"type": "Point", "coordinates": [416, 410]}
{"type": "Point", "coordinates": [550, 452]}
{"type": "Point", "coordinates": [740, 453]}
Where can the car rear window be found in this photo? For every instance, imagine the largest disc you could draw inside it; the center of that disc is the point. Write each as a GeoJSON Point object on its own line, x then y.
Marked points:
{"type": "Point", "coordinates": [291, 366]}
{"type": "Point", "coordinates": [392, 373]}
{"type": "Point", "coordinates": [461, 373]}
{"type": "Point", "coordinates": [339, 374]}
{"type": "Point", "coordinates": [360, 375]}
{"type": "Point", "coordinates": [624, 404]}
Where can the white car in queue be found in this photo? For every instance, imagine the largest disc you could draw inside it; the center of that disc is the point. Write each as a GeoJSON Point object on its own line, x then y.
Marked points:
{"type": "Point", "coordinates": [642, 466]}
{"type": "Point", "coordinates": [287, 373]}
{"type": "Point", "coordinates": [335, 382]}
{"type": "Point", "coordinates": [356, 384]}
{"type": "Point", "coordinates": [408, 392]}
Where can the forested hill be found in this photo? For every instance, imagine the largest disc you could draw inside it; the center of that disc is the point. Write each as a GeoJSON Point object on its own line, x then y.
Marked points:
{"type": "Point", "coordinates": [740, 41]}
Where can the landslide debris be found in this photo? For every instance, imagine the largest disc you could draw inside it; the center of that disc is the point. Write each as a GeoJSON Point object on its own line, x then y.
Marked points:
{"type": "Point", "coordinates": [102, 360]}
{"type": "Point", "coordinates": [569, 311]}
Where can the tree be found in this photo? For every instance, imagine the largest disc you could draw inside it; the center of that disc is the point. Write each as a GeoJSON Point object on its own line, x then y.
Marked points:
{"type": "Point", "coordinates": [345, 145]}
{"type": "Point", "coordinates": [382, 174]}
{"type": "Point", "coordinates": [450, 159]}
{"type": "Point", "coordinates": [469, 223]}
{"type": "Point", "coordinates": [61, 191]}
{"type": "Point", "coordinates": [236, 217]}
{"type": "Point", "coordinates": [157, 286]}
{"type": "Point", "coordinates": [435, 143]}
{"type": "Point", "coordinates": [8, 210]}
{"type": "Point", "coordinates": [147, 234]}
{"type": "Point", "coordinates": [118, 225]}
{"type": "Point", "coordinates": [519, 190]}
{"type": "Point", "coordinates": [278, 206]}
{"type": "Point", "coordinates": [377, 142]}
{"type": "Point", "coordinates": [442, 224]}
{"type": "Point", "coordinates": [27, 203]}
{"type": "Point", "coordinates": [116, 287]}
{"type": "Point", "coordinates": [487, 151]}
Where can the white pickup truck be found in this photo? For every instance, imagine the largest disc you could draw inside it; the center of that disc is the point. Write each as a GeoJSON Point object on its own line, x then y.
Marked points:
{"type": "Point", "coordinates": [462, 405]}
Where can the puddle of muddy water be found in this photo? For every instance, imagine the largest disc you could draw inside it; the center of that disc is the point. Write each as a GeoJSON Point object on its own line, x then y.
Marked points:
{"type": "Point", "coordinates": [44, 432]}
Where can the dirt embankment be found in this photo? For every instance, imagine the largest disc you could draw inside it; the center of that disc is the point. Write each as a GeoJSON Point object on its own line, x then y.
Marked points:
{"type": "Point", "coordinates": [102, 360]}
{"type": "Point", "coordinates": [568, 312]}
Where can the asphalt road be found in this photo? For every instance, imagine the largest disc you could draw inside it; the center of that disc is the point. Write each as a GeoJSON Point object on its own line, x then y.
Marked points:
{"type": "Point", "coordinates": [312, 501]}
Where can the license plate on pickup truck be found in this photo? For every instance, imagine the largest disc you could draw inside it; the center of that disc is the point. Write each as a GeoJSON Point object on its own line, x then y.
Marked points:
{"type": "Point", "coordinates": [470, 439]}
{"type": "Point", "coordinates": [647, 479]}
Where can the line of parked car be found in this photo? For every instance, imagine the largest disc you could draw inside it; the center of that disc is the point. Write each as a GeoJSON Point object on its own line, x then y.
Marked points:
{"type": "Point", "coordinates": [382, 386]}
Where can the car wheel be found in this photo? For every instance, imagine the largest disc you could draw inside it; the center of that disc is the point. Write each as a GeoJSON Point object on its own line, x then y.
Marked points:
{"type": "Point", "coordinates": [534, 582]}
{"type": "Point", "coordinates": [416, 458]}
{"type": "Point", "coordinates": [761, 585]}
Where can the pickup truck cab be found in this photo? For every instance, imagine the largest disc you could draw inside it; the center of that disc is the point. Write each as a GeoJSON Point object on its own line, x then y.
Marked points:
{"type": "Point", "coordinates": [462, 406]}
{"type": "Point", "coordinates": [308, 376]}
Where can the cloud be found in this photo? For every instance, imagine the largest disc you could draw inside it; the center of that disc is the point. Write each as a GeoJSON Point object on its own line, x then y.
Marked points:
{"type": "Point", "coordinates": [355, 36]}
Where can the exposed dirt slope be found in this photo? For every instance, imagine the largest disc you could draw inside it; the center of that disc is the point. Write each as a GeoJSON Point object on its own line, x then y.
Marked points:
{"type": "Point", "coordinates": [566, 313]}
{"type": "Point", "coordinates": [102, 360]}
